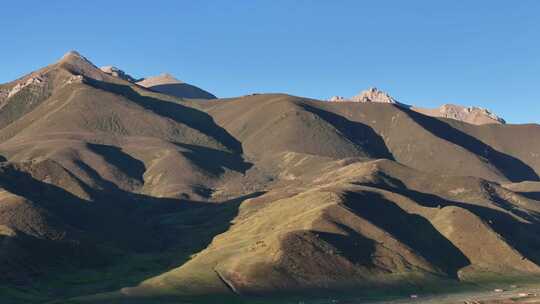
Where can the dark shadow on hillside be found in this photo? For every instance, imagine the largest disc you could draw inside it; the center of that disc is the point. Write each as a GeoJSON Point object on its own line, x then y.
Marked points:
{"type": "Point", "coordinates": [358, 133]}
{"type": "Point", "coordinates": [355, 247]}
{"type": "Point", "coordinates": [24, 257]}
{"type": "Point", "coordinates": [524, 237]}
{"type": "Point", "coordinates": [213, 160]}
{"type": "Point", "coordinates": [49, 197]}
{"type": "Point", "coordinates": [531, 195]}
{"type": "Point", "coordinates": [104, 220]}
{"type": "Point", "coordinates": [411, 229]}
{"type": "Point", "coordinates": [188, 116]}
{"type": "Point", "coordinates": [117, 224]}
{"type": "Point", "coordinates": [101, 183]}
{"type": "Point", "coordinates": [124, 162]}
{"type": "Point", "coordinates": [512, 168]}
{"type": "Point", "coordinates": [189, 226]}
{"type": "Point", "coordinates": [182, 90]}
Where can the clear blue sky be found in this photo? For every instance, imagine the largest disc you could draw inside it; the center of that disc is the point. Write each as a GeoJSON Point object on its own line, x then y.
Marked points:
{"type": "Point", "coordinates": [426, 53]}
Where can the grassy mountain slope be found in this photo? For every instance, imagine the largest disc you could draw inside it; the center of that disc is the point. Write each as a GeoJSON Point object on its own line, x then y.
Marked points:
{"type": "Point", "coordinates": [113, 192]}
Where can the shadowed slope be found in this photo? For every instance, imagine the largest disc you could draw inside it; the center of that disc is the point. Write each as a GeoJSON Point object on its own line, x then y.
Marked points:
{"type": "Point", "coordinates": [412, 229]}
{"type": "Point", "coordinates": [167, 84]}
{"type": "Point", "coordinates": [191, 117]}
{"type": "Point", "coordinates": [258, 195]}
{"type": "Point", "coordinates": [270, 124]}
{"type": "Point", "coordinates": [357, 133]}
{"type": "Point", "coordinates": [134, 168]}
{"type": "Point", "coordinates": [447, 146]}
{"type": "Point", "coordinates": [512, 168]}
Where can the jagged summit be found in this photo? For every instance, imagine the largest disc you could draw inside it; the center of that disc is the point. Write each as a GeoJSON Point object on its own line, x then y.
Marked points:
{"type": "Point", "coordinates": [75, 57]}
{"type": "Point", "coordinates": [116, 72]}
{"type": "Point", "coordinates": [164, 83]}
{"type": "Point", "coordinates": [77, 64]}
{"type": "Point", "coordinates": [473, 115]}
{"type": "Point", "coordinates": [372, 94]}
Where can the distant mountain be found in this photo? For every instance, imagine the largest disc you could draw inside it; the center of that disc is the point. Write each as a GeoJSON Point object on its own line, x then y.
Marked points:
{"type": "Point", "coordinates": [370, 95]}
{"type": "Point", "coordinates": [472, 115]}
{"type": "Point", "coordinates": [113, 192]}
{"type": "Point", "coordinates": [164, 83]}
{"type": "Point", "coordinates": [116, 72]}
{"type": "Point", "coordinates": [167, 84]}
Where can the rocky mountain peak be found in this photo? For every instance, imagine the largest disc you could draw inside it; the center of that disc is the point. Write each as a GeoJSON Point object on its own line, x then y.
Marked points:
{"type": "Point", "coordinates": [472, 115]}
{"type": "Point", "coordinates": [75, 57]}
{"type": "Point", "coordinates": [116, 72]}
{"type": "Point", "coordinates": [374, 95]}
{"type": "Point", "coordinates": [80, 65]}
{"type": "Point", "coordinates": [468, 113]}
{"type": "Point", "coordinates": [72, 54]}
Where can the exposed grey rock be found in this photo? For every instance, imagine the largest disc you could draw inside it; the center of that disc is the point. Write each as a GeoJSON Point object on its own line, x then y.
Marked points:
{"type": "Point", "coordinates": [374, 95]}
{"type": "Point", "coordinates": [3, 94]}
{"type": "Point", "coordinates": [472, 115]}
{"type": "Point", "coordinates": [35, 80]}
{"type": "Point", "coordinates": [116, 72]}
{"type": "Point", "coordinates": [75, 79]}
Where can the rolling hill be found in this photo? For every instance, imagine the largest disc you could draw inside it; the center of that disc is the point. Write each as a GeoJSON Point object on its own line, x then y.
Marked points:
{"type": "Point", "coordinates": [113, 189]}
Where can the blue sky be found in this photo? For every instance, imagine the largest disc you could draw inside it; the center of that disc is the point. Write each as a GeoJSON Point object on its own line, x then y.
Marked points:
{"type": "Point", "coordinates": [427, 53]}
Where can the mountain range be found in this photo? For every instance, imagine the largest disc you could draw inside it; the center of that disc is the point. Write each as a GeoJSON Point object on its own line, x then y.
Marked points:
{"type": "Point", "coordinates": [472, 115]}
{"type": "Point", "coordinates": [123, 190]}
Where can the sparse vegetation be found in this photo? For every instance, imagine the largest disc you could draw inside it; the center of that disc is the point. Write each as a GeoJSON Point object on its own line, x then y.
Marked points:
{"type": "Point", "coordinates": [112, 193]}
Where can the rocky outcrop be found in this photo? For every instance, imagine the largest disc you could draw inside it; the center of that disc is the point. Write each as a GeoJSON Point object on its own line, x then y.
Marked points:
{"type": "Point", "coordinates": [338, 99]}
{"type": "Point", "coordinates": [3, 94]}
{"type": "Point", "coordinates": [472, 115]}
{"type": "Point", "coordinates": [75, 79]}
{"type": "Point", "coordinates": [116, 72]}
{"type": "Point", "coordinates": [374, 95]}
{"type": "Point", "coordinates": [370, 95]}
{"type": "Point", "coordinates": [79, 65]}
{"type": "Point", "coordinates": [35, 80]}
